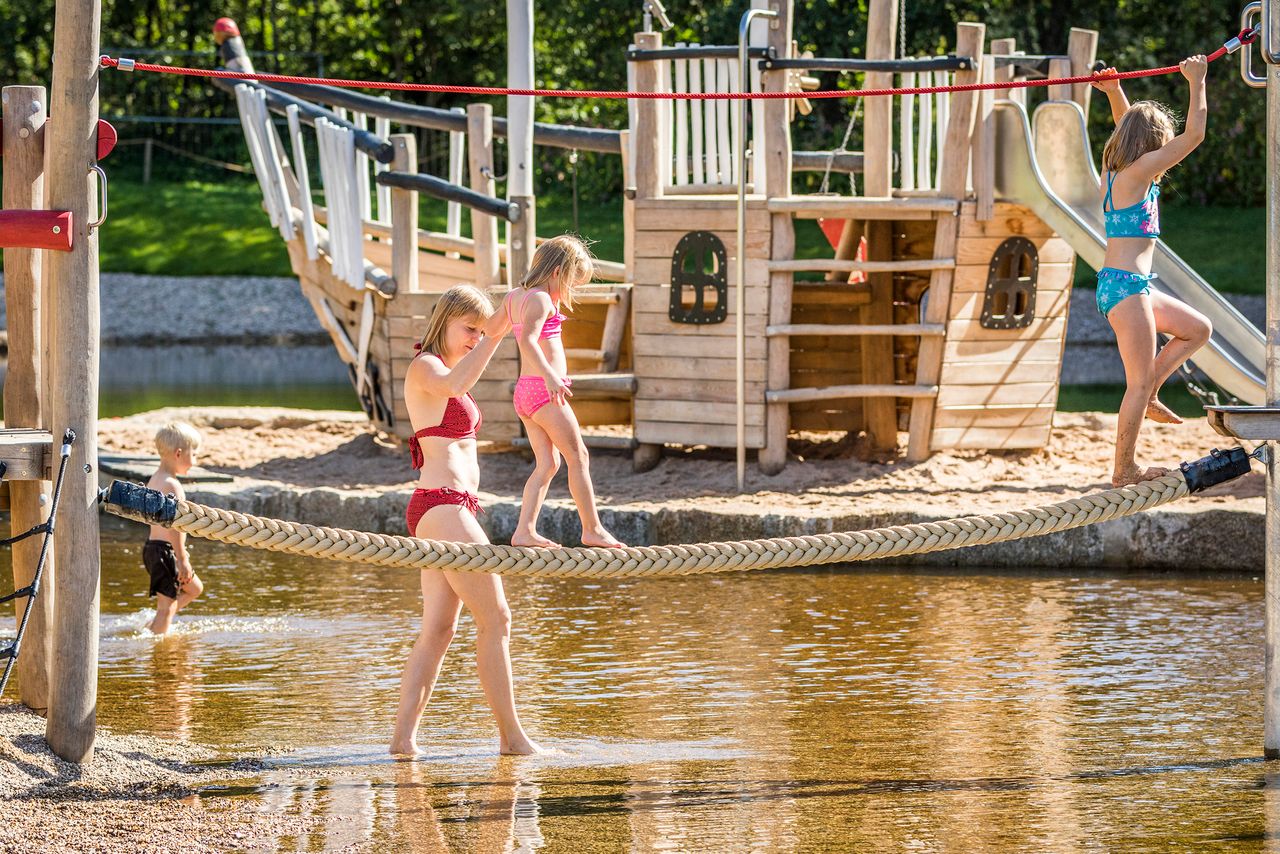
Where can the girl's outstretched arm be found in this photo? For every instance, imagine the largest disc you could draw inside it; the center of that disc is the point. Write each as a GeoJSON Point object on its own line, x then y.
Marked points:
{"type": "Point", "coordinates": [1115, 95]}
{"type": "Point", "coordinates": [1163, 159]}
{"type": "Point", "coordinates": [433, 376]}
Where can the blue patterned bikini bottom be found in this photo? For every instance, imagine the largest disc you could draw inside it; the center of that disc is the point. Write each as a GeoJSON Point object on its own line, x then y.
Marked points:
{"type": "Point", "coordinates": [1117, 285]}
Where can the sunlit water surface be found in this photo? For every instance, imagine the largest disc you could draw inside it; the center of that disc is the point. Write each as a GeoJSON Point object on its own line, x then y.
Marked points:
{"type": "Point", "coordinates": [833, 710]}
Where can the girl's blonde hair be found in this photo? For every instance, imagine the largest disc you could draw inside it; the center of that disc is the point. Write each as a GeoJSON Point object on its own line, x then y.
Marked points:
{"type": "Point", "coordinates": [458, 301]}
{"type": "Point", "coordinates": [1145, 127]}
{"type": "Point", "coordinates": [566, 255]}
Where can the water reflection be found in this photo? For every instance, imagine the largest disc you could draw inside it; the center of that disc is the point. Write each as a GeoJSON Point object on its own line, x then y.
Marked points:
{"type": "Point", "coordinates": [858, 710]}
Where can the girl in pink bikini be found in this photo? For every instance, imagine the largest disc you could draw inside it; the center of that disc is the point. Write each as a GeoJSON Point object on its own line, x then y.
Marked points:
{"type": "Point", "coordinates": [560, 266]}
{"type": "Point", "coordinates": [461, 337]}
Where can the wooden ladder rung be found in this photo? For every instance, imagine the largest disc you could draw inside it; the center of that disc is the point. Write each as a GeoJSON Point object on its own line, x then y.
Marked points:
{"type": "Point", "coordinates": [836, 392]}
{"type": "Point", "coordinates": [922, 329]}
{"type": "Point", "coordinates": [856, 207]}
{"type": "Point", "coordinates": [585, 353]}
{"type": "Point", "coordinates": [836, 265]}
{"type": "Point", "coordinates": [607, 298]}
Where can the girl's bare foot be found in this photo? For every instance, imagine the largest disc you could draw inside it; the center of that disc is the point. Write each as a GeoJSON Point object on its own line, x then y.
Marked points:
{"type": "Point", "coordinates": [1137, 474]}
{"type": "Point", "coordinates": [404, 750]}
{"type": "Point", "coordinates": [522, 746]}
{"type": "Point", "coordinates": [601, 538]}
{"type": "Point", "coordinates": [1161, 414]}
{"type": "Point", "coordinates": [526, 539]}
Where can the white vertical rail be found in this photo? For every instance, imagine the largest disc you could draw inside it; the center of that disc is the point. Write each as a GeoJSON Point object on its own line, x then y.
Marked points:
{"type": "Point", "coordinates": [924, 142]}
{"type": "Point", "coordinates": [944, 116]}
{"type": "Point", "coordinates": [710, 84]}
{"type": "Point", "coordinates": [453, 213]}
{"type": "Point", "coordinates": [696, 109]}
{"type": "Point", "coordinates": [382, 127]}
{"type": "Point", "coordinates": [681, 108]}
{"type": "Point", "coordinates": [303, 173]}
{"type": "Point", "coordinates": [736, 118]}
{"type": "Point", "coordinates": [361, 121]}
{"type": "Point", "coordinates": [724, 143]}
{"type": "Point", "coordinates": [906, 135]}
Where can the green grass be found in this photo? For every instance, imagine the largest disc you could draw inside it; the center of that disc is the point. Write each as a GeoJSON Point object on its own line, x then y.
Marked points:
{"type": "Point", "coordinates": [1224, 245]}
{"type": "Point", "coordinates": [1106, 398]}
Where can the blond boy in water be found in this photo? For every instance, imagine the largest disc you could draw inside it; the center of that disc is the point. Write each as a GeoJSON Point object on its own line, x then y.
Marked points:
{"type": "Point", "coordinates": [173, 582]}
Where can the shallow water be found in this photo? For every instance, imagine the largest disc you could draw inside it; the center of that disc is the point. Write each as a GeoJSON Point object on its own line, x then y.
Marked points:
{"type": "Point", "coordinates": [857, 709]}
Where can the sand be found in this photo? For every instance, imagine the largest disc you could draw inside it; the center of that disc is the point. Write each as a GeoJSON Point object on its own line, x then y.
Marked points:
{"type": "Point", "coordinates": [304, 449]}
{"type": "Point", "coordinates": [138, 794]}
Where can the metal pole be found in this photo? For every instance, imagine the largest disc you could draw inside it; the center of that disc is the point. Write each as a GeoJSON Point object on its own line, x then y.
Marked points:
{"type": "Point", "coordinates": [1270, 42]}
{"type": "Point", "coordinates": [740, 266]}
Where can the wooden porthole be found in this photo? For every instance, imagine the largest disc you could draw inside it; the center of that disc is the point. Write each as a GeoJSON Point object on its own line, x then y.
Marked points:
{"type": "Point", "coordinates": [1010, 301]}
{"type": "Point", "coordinates": [699, 280]}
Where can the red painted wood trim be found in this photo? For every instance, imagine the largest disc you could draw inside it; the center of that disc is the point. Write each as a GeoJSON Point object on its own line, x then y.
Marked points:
{"type": "Point", "coordinates": [36, 230]}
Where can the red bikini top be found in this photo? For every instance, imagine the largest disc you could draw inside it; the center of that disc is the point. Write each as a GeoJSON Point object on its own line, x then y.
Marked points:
{"type": "Point", "coordinates": [461, 420]}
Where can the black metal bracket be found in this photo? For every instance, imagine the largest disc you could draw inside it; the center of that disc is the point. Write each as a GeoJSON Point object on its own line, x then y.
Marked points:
{"type": "Point", "coordinates": [1218, 467]}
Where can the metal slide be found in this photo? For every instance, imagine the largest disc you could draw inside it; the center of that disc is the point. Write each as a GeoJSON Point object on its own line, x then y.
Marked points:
{"type": "Point", "coordinates": [1055, 177]}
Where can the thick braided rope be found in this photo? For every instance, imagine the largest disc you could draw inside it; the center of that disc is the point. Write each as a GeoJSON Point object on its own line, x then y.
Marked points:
{"type": "Point", "coordinates": [652, 561]}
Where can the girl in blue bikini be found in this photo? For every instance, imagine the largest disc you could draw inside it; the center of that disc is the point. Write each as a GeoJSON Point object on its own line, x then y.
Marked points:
{"type": "Point", "coordinates": [1140, 151]}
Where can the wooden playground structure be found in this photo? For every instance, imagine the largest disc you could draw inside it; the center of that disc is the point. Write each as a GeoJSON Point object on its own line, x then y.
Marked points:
{"type": "Point", "coordinates": [949, 327]}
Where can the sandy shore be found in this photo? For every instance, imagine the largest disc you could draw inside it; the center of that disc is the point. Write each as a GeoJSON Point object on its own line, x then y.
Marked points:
{"type": "Point", "coordinates": [313, 449]}
{"type": "Point", "coordinates": [138, 794]}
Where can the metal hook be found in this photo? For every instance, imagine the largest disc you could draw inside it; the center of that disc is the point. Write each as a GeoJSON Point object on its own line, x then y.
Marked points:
{"type": "Point", "coordinates": [102, 197]}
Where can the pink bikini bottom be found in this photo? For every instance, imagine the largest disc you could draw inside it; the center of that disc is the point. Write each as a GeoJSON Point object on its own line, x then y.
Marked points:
{"type": "Point", "coordinates": [531, 395]}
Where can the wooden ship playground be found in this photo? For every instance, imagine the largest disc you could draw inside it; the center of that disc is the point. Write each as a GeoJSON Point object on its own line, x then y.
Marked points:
{"type": "Point", "coordinates": [939, 313]}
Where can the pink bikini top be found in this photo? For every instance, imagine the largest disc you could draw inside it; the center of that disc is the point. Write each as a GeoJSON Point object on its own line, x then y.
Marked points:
{"type": "Point", "coordinates": [550, 328]}
{"type": "Point", "coordinates": [461, 420]}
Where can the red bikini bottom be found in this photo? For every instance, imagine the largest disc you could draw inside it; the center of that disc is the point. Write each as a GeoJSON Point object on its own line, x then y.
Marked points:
{"type": "Point", "coordinates": [423, 500]}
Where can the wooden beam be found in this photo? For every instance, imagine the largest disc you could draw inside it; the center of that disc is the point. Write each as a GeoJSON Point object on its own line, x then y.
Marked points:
{"type": "Point", "coordinates": [484, 228]}
{"type": "Point", "coordinates": [24, 114]}
{"type": "Point", "coordinates": [71, 143]}
{"type": "Point", "coordinates": [885, 207]}
{"type": "Point", "coordinates": [1060, 91]}
{"type": "Point", "coordinates": [1082, 47]}
{"type": "Point", "coordinates": [984, 148]}
{"type": "Point", "coordinates": [969, 41]}
{"type": "Point", "coordinates": [796, 329]}
{"type": "Point", "coordinates": [404, 216]}
{"type": "Point", "coordinates": [839, 392]}
{"type": "Point", "coordinates": [648, 180]}
{"type": "Point", "coordinates": [820, 265]}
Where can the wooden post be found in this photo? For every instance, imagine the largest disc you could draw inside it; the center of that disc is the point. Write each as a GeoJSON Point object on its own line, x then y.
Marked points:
{"type": "Point", "coordinates": [628, 210]}
{"type": "Point", "coordinates": [955, 161]}
{"type": "Point", "coordinates": [877, 351]}
{"type": "Point", "coordinates": [484, 228]}
{"type": "Point", "coordinates": [1060, 91]}
{"type": "Point", "coordinates": [404, 216]}
{"type": "Point", "coordinates": [522, 234]}
{"type": "Point", "coordinates": [1082, 47]}
{"type": "Point", "coordinates": [648, 145]}
{"type": "Point", "coordinates": [72, 143]}
{"type": "Point", "coordinates": [984, 148]}
{"type": "Point", "coordinates": [1004, 73]}
{"type": "Point", "coordinates": [776, 138]}
{"type": "Point", "coordinates": [23, 162]}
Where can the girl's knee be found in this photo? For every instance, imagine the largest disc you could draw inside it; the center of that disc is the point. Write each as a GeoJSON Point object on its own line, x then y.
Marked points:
{"type": "Point", "coordinates": [440, 631]}
{"type": "Point", "coordinates": [496, 620]}
{"type": "Point", "coordinates": [1203, 331]}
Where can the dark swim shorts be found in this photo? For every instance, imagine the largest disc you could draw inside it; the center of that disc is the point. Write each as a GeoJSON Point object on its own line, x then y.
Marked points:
{"type": "Point", "coordinates": [162, 565]}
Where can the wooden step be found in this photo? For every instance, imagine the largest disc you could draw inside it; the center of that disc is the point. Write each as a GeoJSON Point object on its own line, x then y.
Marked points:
{"type": "Point", "coordinates": [835, 265]}
{"type": "Point", "coordinates": [600, 386]}
{"type": "Point", "coordinates": [924, 329]}
{"type": "Point", "coordinates": [836, 392]}
{"type": "Point", "coordinates": [598, 443]}
{"type": "Point", "coordinates": [857, 207]}
{"type": "Point", "coordinates": [830, 294]}
{"type": "Point", "coordinates": [584, 353]}
{"type": "Point", "coordinates": [594, 295]}
{"type": "Point", "coordinates": [27, 454]}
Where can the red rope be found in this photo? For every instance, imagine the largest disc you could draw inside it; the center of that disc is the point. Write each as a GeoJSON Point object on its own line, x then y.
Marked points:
{"type": "Point", "coordinates": [1246, 36]}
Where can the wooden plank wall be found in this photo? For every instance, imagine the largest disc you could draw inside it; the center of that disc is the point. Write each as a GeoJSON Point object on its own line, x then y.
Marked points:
{"type": "Point", "coordinates": [685, 373]}
{"type": "Point", "coordinates": [999, 388]}
{"type": "Point", "coordinates": [584, 330]}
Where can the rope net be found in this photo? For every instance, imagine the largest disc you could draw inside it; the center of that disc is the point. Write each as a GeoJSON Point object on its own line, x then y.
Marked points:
{"type": "Point", "coordinates": [389, 550]}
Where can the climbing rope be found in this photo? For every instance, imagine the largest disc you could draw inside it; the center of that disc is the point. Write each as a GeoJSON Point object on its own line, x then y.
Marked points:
{"type": "Point", "coordinates": [1245, 37]}
{"type": "Point", "coordinates": [134, 502]}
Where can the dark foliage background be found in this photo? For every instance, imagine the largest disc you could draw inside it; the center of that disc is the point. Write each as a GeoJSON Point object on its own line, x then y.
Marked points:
{"type": "Point", "coordinates": [581, 44]}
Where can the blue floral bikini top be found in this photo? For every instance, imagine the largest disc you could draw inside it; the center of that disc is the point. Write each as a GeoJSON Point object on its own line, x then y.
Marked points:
{"type": "Point", "coordinates": [1137, 220]}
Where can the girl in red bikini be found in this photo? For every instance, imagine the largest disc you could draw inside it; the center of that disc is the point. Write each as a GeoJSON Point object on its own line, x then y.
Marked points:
{"type": "Point", "coordinates": [541, 399]}
{"type": "Point", "coordinates": [461, 337]}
